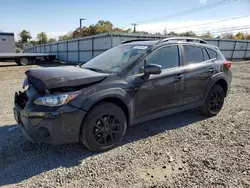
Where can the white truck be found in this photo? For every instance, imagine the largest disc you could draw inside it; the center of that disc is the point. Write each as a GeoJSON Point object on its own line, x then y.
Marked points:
{"type": "Point", "coordinates": [8, 51]}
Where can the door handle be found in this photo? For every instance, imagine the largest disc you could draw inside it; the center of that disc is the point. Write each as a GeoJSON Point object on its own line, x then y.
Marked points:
{"type": "Point", "coordinates": [179, 76]}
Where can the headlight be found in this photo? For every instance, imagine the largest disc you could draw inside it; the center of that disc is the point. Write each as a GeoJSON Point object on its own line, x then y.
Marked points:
{"type": "Point", "coordinates": [55, 100]}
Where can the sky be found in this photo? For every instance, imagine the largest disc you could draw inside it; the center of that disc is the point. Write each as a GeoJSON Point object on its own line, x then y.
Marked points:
{"type": "Point", "coordinates": [57, 17]}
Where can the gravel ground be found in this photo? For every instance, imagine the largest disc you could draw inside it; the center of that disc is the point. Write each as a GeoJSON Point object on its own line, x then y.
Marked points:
{"type": "Point", "coordinates": [181, 150]}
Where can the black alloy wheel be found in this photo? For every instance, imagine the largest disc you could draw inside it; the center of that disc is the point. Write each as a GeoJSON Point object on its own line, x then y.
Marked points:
{"type": "Point", "coordinates": [213, 102]}
{"type": "Point", "coordinates": [104, 127]}
{"type": "Point", "coordinates": [216, 101]}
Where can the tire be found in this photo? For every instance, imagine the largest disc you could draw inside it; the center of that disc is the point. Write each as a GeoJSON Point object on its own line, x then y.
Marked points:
{"type": "Point", "coordinates": [23, 61]}
{"type": "Point", "coordinates": [104, 127]}
{"type": "Point", "coordinates": [213, 102]}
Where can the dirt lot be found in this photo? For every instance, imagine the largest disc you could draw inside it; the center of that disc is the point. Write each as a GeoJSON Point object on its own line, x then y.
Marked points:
{"type": "Point", "coordinates": [182, 150]}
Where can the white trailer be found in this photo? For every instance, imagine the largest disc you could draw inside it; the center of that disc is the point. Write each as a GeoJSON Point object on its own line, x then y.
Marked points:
{"type": "Point", "coordinates": [7, 43]}
{"type": "Point", "coordinates": [8, 49]}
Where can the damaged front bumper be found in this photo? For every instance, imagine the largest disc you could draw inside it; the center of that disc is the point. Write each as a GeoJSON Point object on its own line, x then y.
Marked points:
{"type": "Point", "coordinates": [52, 125]}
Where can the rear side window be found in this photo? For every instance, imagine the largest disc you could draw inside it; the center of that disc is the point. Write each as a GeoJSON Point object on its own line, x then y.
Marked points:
{"type": "Point", "coordinates": [205, 54]}
{"type": "Point", "coordinates": [212, 54]}
{"type": "Point", "coordinates": [192, 54]}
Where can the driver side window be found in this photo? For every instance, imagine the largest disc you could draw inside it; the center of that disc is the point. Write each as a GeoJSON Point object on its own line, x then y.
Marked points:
{"type": "Point", "coordinates": [167, 57]}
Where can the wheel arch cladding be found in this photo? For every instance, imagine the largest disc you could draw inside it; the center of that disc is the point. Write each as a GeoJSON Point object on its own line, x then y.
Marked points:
{"type": "Point", "coordinates": [223, 84]}
{"type": "Point", "coordinates": [116, 96]}
{"type": "Point", "coordinates": [116, 101]}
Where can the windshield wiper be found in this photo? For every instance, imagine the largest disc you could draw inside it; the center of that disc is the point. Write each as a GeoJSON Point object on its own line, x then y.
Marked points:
{"type": "Point", "coordinates": [93, 69]}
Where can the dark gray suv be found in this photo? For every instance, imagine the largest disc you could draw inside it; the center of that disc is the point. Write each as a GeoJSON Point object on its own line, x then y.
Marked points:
{"type": "Point", "coordinates": [130, 83]}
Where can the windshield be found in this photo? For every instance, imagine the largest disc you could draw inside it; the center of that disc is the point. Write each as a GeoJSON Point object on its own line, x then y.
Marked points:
{"type": "Point", "coordinates": [116, 59]}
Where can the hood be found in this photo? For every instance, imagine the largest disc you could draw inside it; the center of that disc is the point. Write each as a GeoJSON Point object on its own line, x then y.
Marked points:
{"type": "Point", "coordinates": [56, 77]}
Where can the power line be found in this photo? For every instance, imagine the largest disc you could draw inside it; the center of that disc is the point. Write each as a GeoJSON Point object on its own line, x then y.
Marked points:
{"type": "Point", "coordinates": [239, 28]}
{"type": "Point", "coordinates": [208, 23]}
{"type": "Point", "coordinates": [191, 11]}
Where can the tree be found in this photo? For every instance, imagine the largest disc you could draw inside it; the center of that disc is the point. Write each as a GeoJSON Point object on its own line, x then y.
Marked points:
{"type": "Point", "coordinates": [19, 44]}
{"type": "Point", "coordinates": [207, 35]}
{"type": "Point", "coordinates": [188, 34]}
{"type": "Point", "coordinates": [25, 36]}
{"type": "Point", "coordinates": [239, 36]}
{"type": "Point", "coordinates": [103, 27]}
{"type": "Point", "coordinates": [68, 36]}
{"type": "Point", "coordinates": [98, 28]}
{"type": "Point", "coordinates": [247, 36]}
{"type": "Point", "coordinates": [227, 36]}
{"type": "Point", "coordinates": [51, 40]}
{"type": "Point", "coordinates": [172, 33]}
{"type": "Point", "coordinates": [42, 38]}
{"type": "Point", "coordinates": [33, 42]}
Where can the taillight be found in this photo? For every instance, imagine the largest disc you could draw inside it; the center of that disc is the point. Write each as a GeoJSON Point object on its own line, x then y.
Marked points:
{"type": "Point", "coordinates": [228, 64]}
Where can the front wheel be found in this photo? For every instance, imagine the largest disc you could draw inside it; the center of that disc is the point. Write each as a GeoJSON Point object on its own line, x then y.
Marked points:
{"type": "Point", "coordinates": [104, 127]}
{"type": "Point", "coordinates": [213, 102]}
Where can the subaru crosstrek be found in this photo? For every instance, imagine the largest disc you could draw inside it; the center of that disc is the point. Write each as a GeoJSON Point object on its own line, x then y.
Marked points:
{"type": "Point", "coordinates": [128, 84]}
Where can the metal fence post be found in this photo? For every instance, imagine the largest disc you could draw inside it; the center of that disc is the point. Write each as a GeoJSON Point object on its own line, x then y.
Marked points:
{"type": "Point", "coordinates": [246, 51]}
{"type": "Point", "coordinates": [111, 38]}
{"type": "Point", "coordinates": [67, 51]}
{"type": "Point", "coordinates": [57, 52]}
{"type": "Point", "coordinates": [233, 50]}
{"type": "Point", "coordinates": [78, 51]}
{"type": "Point", "coordinates": [92, 47]}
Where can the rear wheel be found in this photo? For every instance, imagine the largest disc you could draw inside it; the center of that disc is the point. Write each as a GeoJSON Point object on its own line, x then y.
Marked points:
{"type": "Point", "coordinates": [103, 127]}
{"type": "Point", "coordinates": [214, 101]}
{"type": "Point", "coordinates": [23, 61]}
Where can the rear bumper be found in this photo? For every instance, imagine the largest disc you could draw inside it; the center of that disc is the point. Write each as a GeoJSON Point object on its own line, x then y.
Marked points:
{"type": "Point", "coordinates": [54, 126]}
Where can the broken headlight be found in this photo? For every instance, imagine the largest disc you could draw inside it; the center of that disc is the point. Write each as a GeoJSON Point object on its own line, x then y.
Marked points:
{"type": "Point", "coordinates": [55, 100]}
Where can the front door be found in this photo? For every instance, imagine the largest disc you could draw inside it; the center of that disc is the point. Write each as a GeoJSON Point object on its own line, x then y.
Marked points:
{"type": "Point", "coordinates": [163, 91]}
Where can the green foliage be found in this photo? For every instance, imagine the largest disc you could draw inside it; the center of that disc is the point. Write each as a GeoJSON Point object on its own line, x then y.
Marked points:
{"type": "Point", "coordinates": [19, 50]}
{"type": "Point", "coordinates": [33, 42]}
{"type": "Point", "coordinates": [206, 35]}
{"type": "Point", "coordinates": [172, 33]}
{"type": "Point", "coordinates": [42, 38]}
{"type": "Point", "coordinates": [51, 40]}
{"type": "Point", "coordinates": [98, 28]}
{"type": "Point", "coordinates": [25, 36]}
{"type": "Point", "coordinates": [68, 36]}
{"type": "Point", "coordinates": [188, 34]}
{"type": "Point", "coordinates": [19, 44]}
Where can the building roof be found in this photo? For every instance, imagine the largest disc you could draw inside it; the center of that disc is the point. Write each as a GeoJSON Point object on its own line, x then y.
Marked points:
{"type": "Point", "coordinates": [6, 34]}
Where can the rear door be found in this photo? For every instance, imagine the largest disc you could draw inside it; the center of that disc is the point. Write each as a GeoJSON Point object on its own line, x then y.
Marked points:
{"type": "Point", "coordinates": [198, 69]}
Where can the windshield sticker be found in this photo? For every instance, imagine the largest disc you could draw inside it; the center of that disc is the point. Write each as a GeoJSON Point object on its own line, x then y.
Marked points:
{"type": "Point", "coordinates": [140, 47]}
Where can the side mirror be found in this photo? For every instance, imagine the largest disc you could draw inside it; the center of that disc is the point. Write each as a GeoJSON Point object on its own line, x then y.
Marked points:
{"type": "Point", "coordinates": [152, 69]}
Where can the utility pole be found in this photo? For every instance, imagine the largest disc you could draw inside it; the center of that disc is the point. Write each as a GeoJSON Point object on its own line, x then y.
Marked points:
{"type": "Point", "coordinates": [81, 22]}
{"type": "Point", "coordinates": [42, 38]}
{"type": "Point", "coordinates": [134, 24]}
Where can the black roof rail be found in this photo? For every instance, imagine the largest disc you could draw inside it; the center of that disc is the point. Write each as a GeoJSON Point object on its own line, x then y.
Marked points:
{"type": "Point", "coordinates": [186, 39]}
{"type": "Point", "coordinates": [135, 40]}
